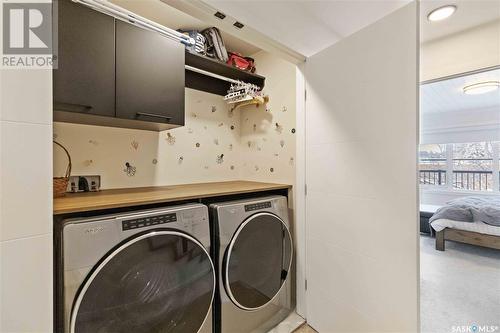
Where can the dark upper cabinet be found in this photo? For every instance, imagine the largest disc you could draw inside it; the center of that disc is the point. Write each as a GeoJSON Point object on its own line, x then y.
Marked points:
{"type": "Point", "coordinates": [84, 81]}
{"type": "Point", "coordinates": [149, 76]}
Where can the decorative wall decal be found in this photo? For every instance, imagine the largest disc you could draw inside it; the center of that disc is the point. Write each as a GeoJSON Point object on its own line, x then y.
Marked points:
{"type": "Point", "coordinates": [282, 143]}
{"type": "Point", "coordinates": [271, 169]}
{"type": "Point", "coordinates": [135, 144]}
{"type": "Point", "coordinates": [214, 108]}
{"type": "Point", "coordinates": [232, 127]}
{"type": "Point", "coordinates": [278, 128]}
{"type": "Point", "coordinates": [130, 170]}
{"type": "Point", "coordinates": [170, 138]}
{"type": "Point", "coordinates": [292, 160]}
{"type": "Point", "coordinates": [93, 142]}
{"type": "Point", "coordinates": [293, 130]}
{"type": "Point", "coordinates": [284, 109]}
{"type": "Point", "coordinates": [180, 160]}
{"type": "Point", "coordinates": [155, 161]}
{"type": "Point", "coordinates": [197, 145]}
{"type": "Point", "coordinates": [216, 141]}
{"type": "Point", "coordinates": [88, 163]}
{"type": "Point", "coordinates": [220, 159]}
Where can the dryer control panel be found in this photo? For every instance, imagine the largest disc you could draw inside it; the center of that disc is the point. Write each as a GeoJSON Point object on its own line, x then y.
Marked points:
{"type": "Point", "coordinates": [257, 206]}
{"type": "Point", "coordinates": [148, 221]}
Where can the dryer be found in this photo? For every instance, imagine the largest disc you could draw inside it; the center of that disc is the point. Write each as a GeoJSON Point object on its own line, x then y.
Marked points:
{"type": "Point", "coordinates": [144, 271]}
{"type": "Point", "coordinates": [253, 251]}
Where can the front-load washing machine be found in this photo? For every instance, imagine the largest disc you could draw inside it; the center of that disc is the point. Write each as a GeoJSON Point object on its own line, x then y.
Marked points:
{"type": "Point", "coordinates": [253, 250]}
{"type": "Point", "coordinates": [142, 272]}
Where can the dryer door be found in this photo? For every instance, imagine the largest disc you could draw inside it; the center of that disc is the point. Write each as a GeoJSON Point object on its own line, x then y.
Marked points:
{"type": "Point", "coordinates": [257, 261]}
{"type": "Point", "coordinates": [160, 281]}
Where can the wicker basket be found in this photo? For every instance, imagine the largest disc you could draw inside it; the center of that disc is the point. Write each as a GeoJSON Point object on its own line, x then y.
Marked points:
{"type": "Point", "coordinates": [61, 183]}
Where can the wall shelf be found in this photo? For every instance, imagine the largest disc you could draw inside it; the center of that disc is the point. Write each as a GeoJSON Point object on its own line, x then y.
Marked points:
{"type": "Point", "coordinates": [213, 85]}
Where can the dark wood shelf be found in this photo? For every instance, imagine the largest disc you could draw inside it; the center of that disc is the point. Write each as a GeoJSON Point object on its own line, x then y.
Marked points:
{"type": "Point", "coordinates": [212, 85]}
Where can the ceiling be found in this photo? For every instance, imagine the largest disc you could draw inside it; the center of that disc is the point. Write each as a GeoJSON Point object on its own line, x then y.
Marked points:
{"type": "Point", "coordinates": [307, 26]}
{"type": "Point", "coordinates": [469, 14]}
{"type": "Point", "coordinates": [448, 96]}
{"type": "Point", "coordinates": [170, 17]}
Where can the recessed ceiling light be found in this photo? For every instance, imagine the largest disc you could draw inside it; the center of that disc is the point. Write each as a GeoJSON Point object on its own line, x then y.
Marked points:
{"type": "Point", "coordinates": [481, 87]}
{"type": "Point", "coordinates": [441, 13]}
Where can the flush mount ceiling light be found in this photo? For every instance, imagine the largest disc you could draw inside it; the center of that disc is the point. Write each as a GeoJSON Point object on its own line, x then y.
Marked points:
{"type": "Point", "coordinates": [481, 87]}
{"type": "Point", "coordinates": [441, 13]}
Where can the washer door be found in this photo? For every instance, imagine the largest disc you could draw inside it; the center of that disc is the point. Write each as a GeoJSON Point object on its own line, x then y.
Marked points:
{"type": "Point", "coordinates": [257, 261]}
{"type": "Point", "coordinates": [161, 281]}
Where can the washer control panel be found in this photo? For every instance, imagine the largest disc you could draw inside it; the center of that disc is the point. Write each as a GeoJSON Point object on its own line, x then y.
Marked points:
{"type": "Point", "coordinates": [148, 221]}
{"type": "Point", "coordinates": [257, 206]}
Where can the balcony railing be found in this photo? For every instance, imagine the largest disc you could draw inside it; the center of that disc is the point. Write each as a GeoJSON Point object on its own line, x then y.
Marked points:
{"type": "Point", "coordinates": [462, 180]}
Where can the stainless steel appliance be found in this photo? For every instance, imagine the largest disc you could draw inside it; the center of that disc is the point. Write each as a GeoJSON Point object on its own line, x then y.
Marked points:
{"type": "Point", "coordinates": [253, 251]}
{"type": "Point", "coordinates": [143, 271]}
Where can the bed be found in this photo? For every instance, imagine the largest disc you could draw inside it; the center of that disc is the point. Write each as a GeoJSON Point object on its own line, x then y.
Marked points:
{"type": "Point", "coordinates": [470, 220]}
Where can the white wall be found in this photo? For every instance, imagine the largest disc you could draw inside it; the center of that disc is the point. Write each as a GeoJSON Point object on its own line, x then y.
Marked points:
{"type": "Point", "coordinates": [461, 52]}
{"type": "Point", "coordinates": [267, 150]}
{"type": "Point", "coordinates": [26, 201]}
{"type": "Point", "coordinates": [362, 238]}
{"type": "Point", "coordinates": [105, 150]}
{"type": "Point", "coordinates": [460, 126]}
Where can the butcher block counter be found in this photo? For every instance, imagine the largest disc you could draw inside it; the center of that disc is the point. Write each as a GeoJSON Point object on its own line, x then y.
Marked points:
{"type": "Point", "coordinates": [117, 198]}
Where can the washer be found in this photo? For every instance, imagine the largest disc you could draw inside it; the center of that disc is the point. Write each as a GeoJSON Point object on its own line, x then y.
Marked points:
{"type": "Point", "coordinates": [145, 271]}
{"type": "Point", "coordinates": [253, 251]}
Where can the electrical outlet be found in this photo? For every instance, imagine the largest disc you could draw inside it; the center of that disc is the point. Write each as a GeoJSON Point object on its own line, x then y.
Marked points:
{"type": "Point", "coordinates": [84, 183]}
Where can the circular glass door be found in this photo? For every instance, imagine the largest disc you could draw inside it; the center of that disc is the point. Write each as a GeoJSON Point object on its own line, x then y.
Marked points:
{"type": "Point", "coordinates": [257, 261]}
{"type": "Point", "coordinates": [161, 281]}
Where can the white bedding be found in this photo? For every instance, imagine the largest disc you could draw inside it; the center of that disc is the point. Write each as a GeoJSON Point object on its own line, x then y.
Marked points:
{"type": "Point", "coordinates": [477, 226]}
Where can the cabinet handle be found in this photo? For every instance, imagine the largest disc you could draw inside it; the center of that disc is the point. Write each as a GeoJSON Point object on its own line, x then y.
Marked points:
{"type": "Point", "coordinates": [72, 106]}
{"type": "Point", "coordinates": [154, 115]}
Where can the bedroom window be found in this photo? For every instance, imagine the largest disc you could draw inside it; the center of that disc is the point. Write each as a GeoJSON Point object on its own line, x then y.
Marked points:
{"type": "Point", "coordinates": [433, 164]}
{"type": "Point", "coordinates": [472, 166]}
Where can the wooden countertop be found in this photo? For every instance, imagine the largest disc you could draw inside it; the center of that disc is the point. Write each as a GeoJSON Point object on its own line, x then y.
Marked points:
{"type": "Point", "coordinates": [106, 199]}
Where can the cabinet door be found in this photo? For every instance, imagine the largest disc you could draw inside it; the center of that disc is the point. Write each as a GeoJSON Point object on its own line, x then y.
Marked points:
{"type": "Point", "coordinates": [85, 78]}
{"type": "Point", "coordinates": [149, 76]}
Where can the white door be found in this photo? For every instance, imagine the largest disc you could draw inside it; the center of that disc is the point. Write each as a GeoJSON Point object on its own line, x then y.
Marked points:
{"type": "Point", "coordinates": [361, 175]}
